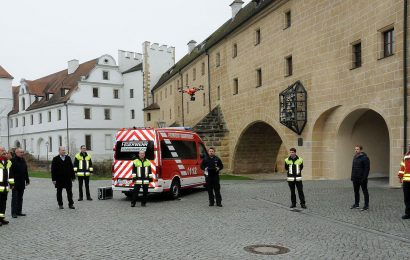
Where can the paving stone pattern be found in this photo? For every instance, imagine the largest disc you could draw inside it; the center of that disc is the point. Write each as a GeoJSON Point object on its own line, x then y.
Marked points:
{"type": "Point", "coordinates": [254, 213]}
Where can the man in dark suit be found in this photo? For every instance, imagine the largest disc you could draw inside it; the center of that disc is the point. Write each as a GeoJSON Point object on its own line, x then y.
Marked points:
{"type": "Point", "coordinates": [62, 174]}
{"type": "Point", "coordinates": [21, 180]}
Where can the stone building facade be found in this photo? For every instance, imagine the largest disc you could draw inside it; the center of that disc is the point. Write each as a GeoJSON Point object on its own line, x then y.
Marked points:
{"type": "Point", "coordinates": [347, 54]}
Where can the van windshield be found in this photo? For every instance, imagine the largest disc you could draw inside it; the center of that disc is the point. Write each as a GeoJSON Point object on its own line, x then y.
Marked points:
{"type": "Point", "coordinates": [128, 150]}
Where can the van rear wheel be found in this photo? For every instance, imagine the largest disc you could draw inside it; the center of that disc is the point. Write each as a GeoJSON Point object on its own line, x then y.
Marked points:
{"type": "Point", "coordinates": [175, 189]}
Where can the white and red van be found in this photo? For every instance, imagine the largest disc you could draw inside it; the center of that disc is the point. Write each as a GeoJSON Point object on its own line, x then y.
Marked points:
{"type": "Point", "coordinates": [175, 154]}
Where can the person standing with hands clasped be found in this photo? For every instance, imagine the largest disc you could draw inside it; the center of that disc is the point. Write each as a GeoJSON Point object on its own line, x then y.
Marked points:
{"type": "Point", "coordinates": [6, 182]}
{"type": "Point", "coordinates": [212, 165]}
{"type": "Point", "coordinates": [62, 175]}
{"type": "Point", "coordinates": [294, 166]}
{"type": "Point", "coordinates": [83, 167]}
{"type": "Point", "coordinates": [19, 169]}
{"type": "Point", "coordinates": [141, 174]}
{"type": "Point", "coordinates": [360, 173]}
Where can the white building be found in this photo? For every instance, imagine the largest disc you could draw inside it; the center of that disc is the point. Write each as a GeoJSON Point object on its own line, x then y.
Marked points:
{"type": "Point", "coordinates": [6, 103]}
{"type": "Point", "coordinates": [83, 104]}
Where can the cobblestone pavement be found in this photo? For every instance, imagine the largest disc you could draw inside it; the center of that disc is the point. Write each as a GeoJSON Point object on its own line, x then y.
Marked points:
{"type": "Point", "coordinates": [254, 212]}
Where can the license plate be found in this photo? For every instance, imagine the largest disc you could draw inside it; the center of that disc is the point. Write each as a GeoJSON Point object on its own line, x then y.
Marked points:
{"type": "Point", "coordinates": [122, 182]}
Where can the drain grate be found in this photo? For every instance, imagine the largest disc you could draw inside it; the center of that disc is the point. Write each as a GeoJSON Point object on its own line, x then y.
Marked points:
{"type": "Point", "coordinates": [267, 249]}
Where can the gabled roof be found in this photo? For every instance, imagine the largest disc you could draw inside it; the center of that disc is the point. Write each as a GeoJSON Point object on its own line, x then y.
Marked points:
{"type": "Point", "coordinates": [53, 83]}
{"type": "Point", "coordinates": [4, 74]}
{"type": "Point", "coordinates": [135, 68]}
{"type": "Point", "coordinates": [153, 106]}
{"type": "Point", "coordinates": [246, 13]}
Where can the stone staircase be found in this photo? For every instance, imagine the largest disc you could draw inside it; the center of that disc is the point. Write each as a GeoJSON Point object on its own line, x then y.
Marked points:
{"type": "Point", "coordinates": [213, 132]}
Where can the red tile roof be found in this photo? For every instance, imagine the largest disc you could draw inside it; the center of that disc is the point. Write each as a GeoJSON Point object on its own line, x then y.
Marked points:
{"type": "Point", "coordinates": [4, 73]}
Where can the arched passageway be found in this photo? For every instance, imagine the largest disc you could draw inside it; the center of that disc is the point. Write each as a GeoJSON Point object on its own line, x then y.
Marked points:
{"type": "Point", "coordinates": [259, 149]}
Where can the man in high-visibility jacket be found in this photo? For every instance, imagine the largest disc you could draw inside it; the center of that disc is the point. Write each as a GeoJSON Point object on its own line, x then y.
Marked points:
{"type": "Point", "coordinates": [6, 181]}
{"type": "Point", "coordinates": [294, 166]}
{"type": "Point", "coordinates": [83, 167]}
{"type": "Point", "coordinates": [141, 174]}
{"type": "Point", "coordinates": [404, 175]}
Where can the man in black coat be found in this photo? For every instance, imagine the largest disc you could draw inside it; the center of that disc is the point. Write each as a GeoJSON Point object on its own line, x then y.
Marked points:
{"type": "Point", "coordinates": [360, 173]}
{"type": "Point", "coordinates": [212, 165]}
{"type": "Point", "coordinates": [21, 179]}
{"type": "Point", "coordinates": [62, 174]}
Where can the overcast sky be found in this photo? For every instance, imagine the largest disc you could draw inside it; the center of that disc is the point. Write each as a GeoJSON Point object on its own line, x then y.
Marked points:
{"type": "Point", "coordinates": [38, 37]}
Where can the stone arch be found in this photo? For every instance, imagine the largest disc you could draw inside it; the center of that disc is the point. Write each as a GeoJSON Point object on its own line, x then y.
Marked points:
{"type": "Point", "coordinates": [366, 127]}
{"type": "Point", "coordinates": [323, 145]}
{"type": "Point", "coordinates": [257, 150]}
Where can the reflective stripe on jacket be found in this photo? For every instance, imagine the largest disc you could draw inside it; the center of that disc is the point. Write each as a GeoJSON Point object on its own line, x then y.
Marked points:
{"type": "Point", "coordinates": [141, 172]}
{"type": "Point", "coordinates": [404, 173]}
{"type": "Point", "coordinates": [83, 165]}
{"type": "Point", "coordinates": [6, 176]}
{"type": "Point", "coordinates": [294, 167]}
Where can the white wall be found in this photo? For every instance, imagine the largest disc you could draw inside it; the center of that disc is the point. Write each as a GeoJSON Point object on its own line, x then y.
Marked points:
{"type": "Point", "coordinates": [133, 81]}
{"type": "Point", "coordinates": [6, 105]}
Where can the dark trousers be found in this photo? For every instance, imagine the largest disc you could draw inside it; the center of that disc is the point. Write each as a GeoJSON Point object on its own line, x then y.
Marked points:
{"type": "Point", "coordinates": [69, 196]}
{"type": "Point", "coordinates": [3, 203]}
{"type": "Point", "coordinates": [135, 192]}
{"type": "Point", "coordinates": [406, 191]}
{"type": "Point", "coordinates": [356, 187]}
{"type": "Point", "coordinates": [16, 201]}
{"type": "Point", "coordinates": [299, 186]}
{"type": "Point", "coordinates": [212, 183]}
{"type": "Point", "coordinates": [86, 180]}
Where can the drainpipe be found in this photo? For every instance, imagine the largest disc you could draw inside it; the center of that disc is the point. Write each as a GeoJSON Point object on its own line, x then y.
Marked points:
{"type": "Point", "coordinates": [405, 77]}
{"type": "Point", "coordinates": [209, 81]}
{"type": "Point", "coordinates": [8, 132]}
{"type": "Point", "coordinates": [68, 138]}
{"type": "Point", "coordinates": [182, 97]}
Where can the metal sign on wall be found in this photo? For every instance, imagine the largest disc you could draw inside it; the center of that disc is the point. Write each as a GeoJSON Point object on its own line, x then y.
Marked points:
{"type": "Point", "coordinates": [293, 107]}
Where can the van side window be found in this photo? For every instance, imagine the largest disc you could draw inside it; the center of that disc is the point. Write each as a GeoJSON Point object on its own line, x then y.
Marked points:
{"type": "Point", "coordinates": [202, 151]}
{"type": "Point", "coordinates": [179, 150]}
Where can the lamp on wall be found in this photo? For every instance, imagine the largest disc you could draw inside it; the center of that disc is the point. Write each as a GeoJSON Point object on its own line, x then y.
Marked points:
{"type": "Point", "coordinates": [293, 107]}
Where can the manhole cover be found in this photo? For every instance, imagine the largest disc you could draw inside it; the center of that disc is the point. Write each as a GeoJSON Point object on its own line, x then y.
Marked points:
{"type": "Point", "coordinates": [267, 249]}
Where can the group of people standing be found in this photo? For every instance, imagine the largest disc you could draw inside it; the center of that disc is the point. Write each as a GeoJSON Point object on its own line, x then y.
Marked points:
{"type": "Point", "coordinates": [14, 176]}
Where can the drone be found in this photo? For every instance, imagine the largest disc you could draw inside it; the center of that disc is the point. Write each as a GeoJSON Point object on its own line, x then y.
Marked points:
{"type": "Point", "coordinates": [191, 91]}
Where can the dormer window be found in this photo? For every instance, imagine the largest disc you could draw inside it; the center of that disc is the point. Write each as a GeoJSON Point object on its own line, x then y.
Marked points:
{"type": "Point", "coordinates": [63, 91]}
{"type": "Point", "coordinates": [105, 75]}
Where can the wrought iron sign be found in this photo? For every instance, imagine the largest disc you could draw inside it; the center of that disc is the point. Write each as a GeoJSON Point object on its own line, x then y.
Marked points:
{"type": "Point", "coordinates": [293, 107]}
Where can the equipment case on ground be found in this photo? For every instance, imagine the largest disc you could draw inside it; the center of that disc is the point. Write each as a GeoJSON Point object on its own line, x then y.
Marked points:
{"type": "Point", "coordinates": [104, 193]}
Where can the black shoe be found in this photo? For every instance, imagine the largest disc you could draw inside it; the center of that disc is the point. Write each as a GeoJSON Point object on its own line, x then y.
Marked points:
{"type": "Point", "coordinates": [211, 204]}
{"type": "Point", "coordinates": [4, 222]}
{"type": "Point", "coordinates": [354, 206]}
{"type": "Point", "coordinates": [14, 216]}
{"type": "Point", "coordinates": [89, 199]}
{"type": "Point", "coordinates": [80, 199]}
{"type": "Point", "coordinates": [132, 205]}
{"type": "Point", "coordinates": [292, 206]}
{"type": "Point", "coordinates": [71, 207]}
{"type": "Point", "coordinates": [303, 206]}
{"type": "Point", "coordinates": [218, 204]}
{"type": "Point", "coordinates": [364, 208]}
{"type": "Point", "coordinates": [21, 214]}
{"type": "Point", "coordinates": [405, 216]}
{"type": "Point", "coordinates": [61, 207]}
{"type": "Point", "coordinates": [1, 224]}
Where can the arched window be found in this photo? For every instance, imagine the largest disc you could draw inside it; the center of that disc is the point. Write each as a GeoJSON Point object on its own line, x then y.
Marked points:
{"type": "Point", "coordinates": [23, 103]}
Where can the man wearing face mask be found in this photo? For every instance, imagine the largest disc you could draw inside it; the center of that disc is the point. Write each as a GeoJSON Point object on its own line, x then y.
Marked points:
{"type": "Point", "coordinates": [6, 181]}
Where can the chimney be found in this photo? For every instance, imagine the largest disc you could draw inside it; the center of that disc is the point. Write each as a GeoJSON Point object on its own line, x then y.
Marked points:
{"type": "Point", "coordinates": [236, 7]}
{"type": "Point", "coordinates": [73, 66]}
{"type": "Point", "coordinates": [191, 45]}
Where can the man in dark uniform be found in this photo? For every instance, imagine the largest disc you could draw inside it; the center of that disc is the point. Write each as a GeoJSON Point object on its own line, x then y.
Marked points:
{"type": "Point", "coordinates": [6, 181]}
{"type": "Point", "coordinates": [141, 174]}
{"type": "Point", "coordinates": [83, 167]}
{"type": "Point", "coordinates": [19, 169]}
{"type": "Point", "coordinates": [294, 166]}
{"type": "Point", "coordinates": [212, 165]}
{"type": "Point", "coordinates": [360, 173]}
{"type": "Point", "coordinates": [62, 174]}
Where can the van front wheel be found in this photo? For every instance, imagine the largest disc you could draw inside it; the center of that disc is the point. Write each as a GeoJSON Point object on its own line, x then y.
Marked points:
{"type": "Point", "coordinates": [175, 189]}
